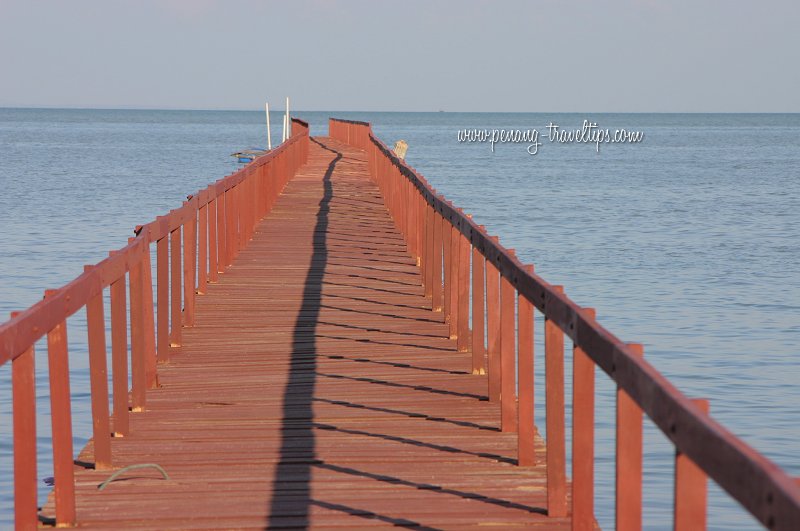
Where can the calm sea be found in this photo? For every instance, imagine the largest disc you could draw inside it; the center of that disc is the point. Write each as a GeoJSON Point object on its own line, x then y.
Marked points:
{"type": "Point", "coordinates": [686, 242]}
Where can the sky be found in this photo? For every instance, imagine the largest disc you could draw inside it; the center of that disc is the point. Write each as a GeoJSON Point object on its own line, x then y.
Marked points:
{"type": "Point", "coordinates": [410, 55]}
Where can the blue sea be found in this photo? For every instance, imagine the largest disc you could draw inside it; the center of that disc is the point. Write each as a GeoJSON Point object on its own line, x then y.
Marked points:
{"type": "Point", "coordinates": [686, 242]}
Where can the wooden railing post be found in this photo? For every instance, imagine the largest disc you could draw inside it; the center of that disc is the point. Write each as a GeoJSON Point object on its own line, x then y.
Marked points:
{"type": "Point", "coordinates": [583, 437]}
{"type": "Point", "coordinates": [255, 198]}
{"type": "Point", "coordinates": [413, 214]}
{"type": "Point", "coordinates": [162, 297]}
{"type": "Point", "coordinates": [138, 347]}
{"type": "Point", "coordinates": [392, 185]}
{"type": "Point", "coordinates": [420, 230]}
{"type": "Point", "coordinates": [245, 197]}
{"type": "Point", "coordinates": [119, 355]}
{"type": "Point", "coordinates": [406, 211]}
{"type": "Point", "coordinates": [241, 215]}
{"type": "Point", "coordinates": [493, 327]}
{"type": "Point", "coordinates": [213, 223]}
{"type": "Point", "coordinates": [222, 232]}
{"type": "Point", "coordinates": [202, 247]}
{"type": "Point", "coordinates": [447, 260]}
{"type": "Point", "coordinates": [23, 383]}
{"type": "Point", "coordinates": [253, 202]}
{"type": "Point", "coordinates": [554, 407]}
{"type": "Point", "coordinates": [231, 225]}
{"type": "Point", "coordinates": [454, 287]}
{"type": "Point", "coordinates": [235, 229]}
{"type": "Point", "coordinates": [98, 381]}
{"type": "Point", "coordinates": [420, 226]}
{"type": "Point", "coordinates": [629, 459]}
{"type": "Point", "coordinates": [249, 196]}
{"type": "Point", "coordinates": [508, 354]}
{"type": "Point", "coordinates": [436, 281]}
{"type": "Point", "coordinates": [430, 219]}
{"type": "Point", "coordinates": [395, 199]}
{"type": "Point", "coordinates": [61, 419]}
{"type": "Point", "coordinates": [176, 307]}
{"type": "Point", "coordinates": [189, 246]}
{"type": "Point", "coordinates": [465, 252]}
{"type": "Point", "coordinates": [478, 311]}
{"type": "Point", "coordinates": [525, 409]}
{"type": "Point", "coordinates": [225, 232]}
{"type": "Point", "coordinates": [261, 190]}
{"type": "Point", "coordinates": [150, 360]}
{"type": "Point", "coordinates": [691, 487]}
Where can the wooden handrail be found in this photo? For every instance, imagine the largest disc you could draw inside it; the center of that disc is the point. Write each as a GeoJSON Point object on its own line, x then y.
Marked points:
{"type": "Point", "coordinates": [236, 203]}
{"type": "Point", "coordinates": [759, 485]}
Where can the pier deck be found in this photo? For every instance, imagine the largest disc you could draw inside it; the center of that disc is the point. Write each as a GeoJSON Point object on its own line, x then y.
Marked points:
{"type": "Point", "coordinates": [318, 389]}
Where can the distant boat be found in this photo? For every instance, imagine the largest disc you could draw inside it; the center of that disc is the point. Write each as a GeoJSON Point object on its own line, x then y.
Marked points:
{"type": "Point", "coordinates": [248, 155]}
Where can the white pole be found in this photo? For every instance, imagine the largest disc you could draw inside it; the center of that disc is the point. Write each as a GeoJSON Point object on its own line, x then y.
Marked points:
{"type": "Point", "coordinates": [288, 119]}
{"type": "Point", "coordinates": [269, 137]}
{"type": "Point", "coordinates": [283, 139]}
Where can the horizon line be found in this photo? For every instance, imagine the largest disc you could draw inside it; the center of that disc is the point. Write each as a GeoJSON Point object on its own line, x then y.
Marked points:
{"type": "Point", "coordinates": [278, 111]}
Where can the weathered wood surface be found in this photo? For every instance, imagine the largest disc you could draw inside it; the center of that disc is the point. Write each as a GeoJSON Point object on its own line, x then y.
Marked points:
{"type": "Point", "coordinates": [317, 389]}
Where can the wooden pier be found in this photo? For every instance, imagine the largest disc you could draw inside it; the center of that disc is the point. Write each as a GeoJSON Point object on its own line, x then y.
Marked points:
{"type": "Point", "coordinates": [325, 342]}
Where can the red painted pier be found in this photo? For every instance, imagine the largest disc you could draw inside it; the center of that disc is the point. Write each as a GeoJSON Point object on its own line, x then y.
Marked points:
{"type": "Point", "coordinates": [320, 340]}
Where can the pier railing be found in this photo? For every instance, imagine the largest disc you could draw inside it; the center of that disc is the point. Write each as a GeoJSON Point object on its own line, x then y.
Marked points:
{"type": "Point", "coordinates": [467, 270]}
{"type": "Point", "coordinates": [193, 245]}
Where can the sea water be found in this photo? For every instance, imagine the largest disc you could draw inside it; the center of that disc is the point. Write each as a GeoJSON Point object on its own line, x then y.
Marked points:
{"type": "Point", "coordinates": [685, 241]}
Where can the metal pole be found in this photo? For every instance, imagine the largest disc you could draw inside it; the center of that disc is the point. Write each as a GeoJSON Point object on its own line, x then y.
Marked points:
{"type": "Point", "coordinates": [269, 136]}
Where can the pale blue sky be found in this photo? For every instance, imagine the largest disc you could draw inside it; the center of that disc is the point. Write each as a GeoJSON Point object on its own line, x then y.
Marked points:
{"type": "Point", "coordinates": [409, 55]}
